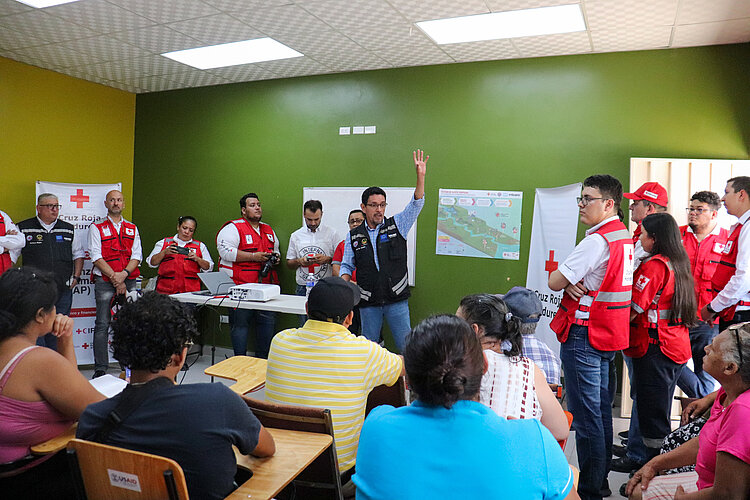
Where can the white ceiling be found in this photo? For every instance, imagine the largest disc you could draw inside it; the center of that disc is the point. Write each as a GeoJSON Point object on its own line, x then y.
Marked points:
{"type": "Point", "coordinates": [118, 42]}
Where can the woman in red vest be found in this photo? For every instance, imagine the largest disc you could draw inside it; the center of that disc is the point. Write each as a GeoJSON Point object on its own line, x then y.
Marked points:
{"type": "Point", "coordinates": [663, 307]}
{"type": "Point", "coordinates": [180, 259]}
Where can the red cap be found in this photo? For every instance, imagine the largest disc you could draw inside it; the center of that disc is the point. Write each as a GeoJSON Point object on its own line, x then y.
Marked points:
{"type": "Point", "coordinates": [650, 191]}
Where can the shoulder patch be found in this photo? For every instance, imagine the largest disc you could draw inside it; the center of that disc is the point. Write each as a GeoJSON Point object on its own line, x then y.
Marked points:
{"type": "Point", "coordinates": [642, 282]}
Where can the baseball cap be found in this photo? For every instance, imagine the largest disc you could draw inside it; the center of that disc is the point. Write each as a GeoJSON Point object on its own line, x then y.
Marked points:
{"type": "Point", "coordinates": [650, 191]}
{"type": "Point", "coordinates": [524, 304]}
{"type": "Point", "coordinates": [333, 297]}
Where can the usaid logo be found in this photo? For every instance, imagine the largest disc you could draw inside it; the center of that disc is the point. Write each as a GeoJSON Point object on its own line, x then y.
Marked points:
{"type": "Point", "coordinates": [124, 480]}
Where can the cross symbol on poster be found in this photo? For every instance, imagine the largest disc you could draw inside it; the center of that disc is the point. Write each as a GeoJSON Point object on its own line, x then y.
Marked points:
{"type": "Point", "coordinates": [551, 264]}
{"type": "Point", "coordinates": [79, 198]}
{"type": "Point", "coordinates": [85, 345]}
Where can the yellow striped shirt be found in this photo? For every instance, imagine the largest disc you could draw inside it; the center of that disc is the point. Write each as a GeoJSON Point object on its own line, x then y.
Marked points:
{"type": "Point", "coordinates": [323, 365]}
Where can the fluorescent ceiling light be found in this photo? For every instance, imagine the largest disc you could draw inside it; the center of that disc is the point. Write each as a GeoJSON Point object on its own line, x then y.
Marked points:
{"type": "Point", "coordinates": [510, 24]}
{"type": "Point", "coordinates": [231, 54]}
{"type": "Point", "coordinates": [40, 4]}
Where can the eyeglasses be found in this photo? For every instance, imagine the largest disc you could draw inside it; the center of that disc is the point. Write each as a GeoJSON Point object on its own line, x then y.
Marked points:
{"type": "Point", "coordinates": [377, 205]}
{"type": "Point", "coordinates": [697, 210]}
{"type": "Point", "coordinates": [52, 206]}
{"type": "Point", "coordinates": [586, 200]}
{"type": "Point", "coordinates": [355, 221]}
{"type": "Point", "coordinates": [736, 329]}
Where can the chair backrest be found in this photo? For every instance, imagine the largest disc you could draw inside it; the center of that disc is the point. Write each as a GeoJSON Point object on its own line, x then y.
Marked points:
{"type": "Point", "coordinates": [394, 395]}
{"type": "Point", "coordinates": [104, 471]}
{"type": "Point", "coordinates": [323, 473]}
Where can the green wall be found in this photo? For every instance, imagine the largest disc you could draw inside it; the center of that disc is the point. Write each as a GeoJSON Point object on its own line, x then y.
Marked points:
{"type": "Point", "coordinates": [504, 125]}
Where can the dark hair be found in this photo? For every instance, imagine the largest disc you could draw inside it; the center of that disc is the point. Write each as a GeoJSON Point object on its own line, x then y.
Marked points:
{"type": "Point", "coordinates": [609, 187]}
{"type": "Point", "coordinates": [667, 242]}
{"type": "Point", "coordinates": [489, 311]}
{"type": "Point", "coordinates": [356, 211]}
{"type": "Point", "coordinates": [371, 191]}
{"type": "Point", "coordinates": [740, 183]}
{"type": "Point", "coordinates": [443, 360]}
{"type": "Point", "coordinates": [23, 291]}
{"type": "Point", "coordinates": [244, 199]}
{"type": "Point", "coordinates": [657, 207]}
{"type": "Point", "coordinates": [148, 331]}
{"type": "Point", "coordinates": [312, 205]}
{"type": "Point", "coordinates": [709, 198]}
{"type": "Point", "coordinates": [183, 218]}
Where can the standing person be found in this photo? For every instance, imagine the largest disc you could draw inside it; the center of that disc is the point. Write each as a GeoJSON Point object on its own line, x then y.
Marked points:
{"type": "Point", "coordinates": [10, 239]}
{"type": "Point", "coordinates": [648, 199]}
{"type": "Point", "coordinates": [704, 241]}
{"type": "Point", "coordinates": [731, 281]}
{"type": "Point", "coordinates": [382, 273]}
{"type": "Point", "coordinates": [246, 246]}
{"type": "Point", "coordinates": [311, 248]}
{"type": "Point", "coordinates": [180, 259]}
{"type": "Point", "coordinates": [52, 246]}
{"type": "Point", "coordinates": [355, 219]}
{"type": "Point", "coordinates": [115, 251]}
{"type": "Point", "coordinates": [663, 305]}
{"type": "Point", "coordinates": [447, 444]}
{"type": "Point", "coordinates": [593, 323]}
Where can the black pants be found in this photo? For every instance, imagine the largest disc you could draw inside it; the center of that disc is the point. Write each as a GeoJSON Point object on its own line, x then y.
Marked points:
{"type": "Point", "coordinates": [739, 317]}
{"type": "Point", "coordinates": [50, 479]}
{"type": "Point", "coordinates": [655, 377]}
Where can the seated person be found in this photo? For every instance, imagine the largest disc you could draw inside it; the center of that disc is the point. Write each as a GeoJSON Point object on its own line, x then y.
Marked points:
{"type": "Point", "coordinates": [721, 452]}
{"type": "Point", "coordinates": [193, 424]}
{"type": "Point", "coordinates": [41, 391]}
{"type": "Point", "coordinates": [447, 444]}
{"type": "Point", "coordinates": [526, 306]}
{"type": "Point", "coordinates": [513, 385]}
{"type": "Point", "coordinates": [323, 365]}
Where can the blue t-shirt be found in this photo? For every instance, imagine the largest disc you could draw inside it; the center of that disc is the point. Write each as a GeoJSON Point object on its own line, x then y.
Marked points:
{"type": "Point", "coordinates": [193, 424]}
{"type": "Point", "coordinates": [419, 451]}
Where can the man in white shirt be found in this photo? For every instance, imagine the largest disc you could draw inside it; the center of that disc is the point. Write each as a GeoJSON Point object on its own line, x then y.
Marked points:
{"type": "Point", "coordinates": [648, 199]}
{"type": "Point", "coordinates": [311, 248]}
{"type": "Point", "coordinates": [731, 281]}
{"type": "Point", "coordinates": [115, 251]}
{"type": "Point", "coordinates": [10, 239]}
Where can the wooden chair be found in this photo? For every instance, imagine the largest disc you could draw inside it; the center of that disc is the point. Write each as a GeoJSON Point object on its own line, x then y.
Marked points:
{"type": "Point", "coordinates": [103, 472]}
{"type": "Point", "coordinates": [321, 479]}
{"type": "Point", "coordinates": [394, 395]}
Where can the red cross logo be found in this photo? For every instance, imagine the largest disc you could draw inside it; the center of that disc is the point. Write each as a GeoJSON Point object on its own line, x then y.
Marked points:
{"type": "Point", "coordinates": [85, 346]}
{"type": "Point", "coordinates": [551, 264]}
{"type": "Point", "coordinates": [79, 199]}
{"type": "Point", "coordinates": [78, 330]}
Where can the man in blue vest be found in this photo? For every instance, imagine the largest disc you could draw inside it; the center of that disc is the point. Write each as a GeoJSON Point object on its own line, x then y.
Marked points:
{"type": "Point", "coordinates": [377, 251]}
{"type": "Point", "coordinates": [52, 246]}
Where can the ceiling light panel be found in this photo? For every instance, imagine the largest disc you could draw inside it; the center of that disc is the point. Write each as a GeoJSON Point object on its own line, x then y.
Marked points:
{"type": "Point", "coordinates": [40, 4]}
{"type": "Point", "coordinates": [231, 54]}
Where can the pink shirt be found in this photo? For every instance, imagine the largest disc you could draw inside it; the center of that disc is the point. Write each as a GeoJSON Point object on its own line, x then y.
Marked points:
{"type": "Point", "coordinates": [727, 431]}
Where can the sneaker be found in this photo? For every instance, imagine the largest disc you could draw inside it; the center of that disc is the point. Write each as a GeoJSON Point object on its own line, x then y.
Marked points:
{"type": "Point", "coordinates": [619, 451]}
{"type": "Point", "coordinates": [622, 490]}
{"type": "Point", "coordinates": [605, 491]}
{"type": "Point", "coordinates": [99, 373]}
{"type": "Point", "coordinates": [622, 434]}
{"type": "Point", "coordinates": [625, 464]}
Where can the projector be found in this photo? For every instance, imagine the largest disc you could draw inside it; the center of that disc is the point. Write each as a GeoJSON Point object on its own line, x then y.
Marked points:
{"type": "Point", "coordinates": [254, 291]}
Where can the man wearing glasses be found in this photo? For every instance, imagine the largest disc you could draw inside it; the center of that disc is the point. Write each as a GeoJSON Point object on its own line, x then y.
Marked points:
{"type": "Point", "coordinates": [731, 281]}
{"type": "Point", "coordinates": [377, 251]}
{"type": "Point", "coordinates": [648, 199]}
{"type": "Point", "coordinates": [592, 324]}
{"type": "Point", "coordinates": [52, 246]}
{"type": "Point", "coordinates": [704, 241]}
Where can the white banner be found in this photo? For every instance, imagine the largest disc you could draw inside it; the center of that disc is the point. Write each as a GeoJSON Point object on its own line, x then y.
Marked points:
{"type": "Point", "coordinates": [82, 204]}
{"type": "Point", "coordinates": [553, 237]}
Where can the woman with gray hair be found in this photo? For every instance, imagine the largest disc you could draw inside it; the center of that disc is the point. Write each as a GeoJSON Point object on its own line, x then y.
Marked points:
{"type": "Point", "coordinates": [721, 453]}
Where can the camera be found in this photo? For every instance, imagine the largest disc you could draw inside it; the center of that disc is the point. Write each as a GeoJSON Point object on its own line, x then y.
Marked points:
{"type": "Point", "coordinates": [267, 265]}
{"type": "Point", "coordinates": [182, 250]}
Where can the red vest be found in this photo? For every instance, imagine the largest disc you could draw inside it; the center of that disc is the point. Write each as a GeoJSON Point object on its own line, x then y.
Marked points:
{"type": "Point", "coordinates": [609, 314]}
{"type": "Point", "coordinates": [725, 270]}
{"type": "Point", "coordinates": [704, 257]}
{"type": "Point", "coordinates": [637, 233]}
{"type": "Point", "coordinates": [117, 248]}
{"type": "Point", "coordinates": [674, 340]}
{"type": "Point", "coordinates": [251, 241]}
{"type": "Point", "coordinates": [5, 262]}
{"type": "Point", "coordinates": [178, 274]}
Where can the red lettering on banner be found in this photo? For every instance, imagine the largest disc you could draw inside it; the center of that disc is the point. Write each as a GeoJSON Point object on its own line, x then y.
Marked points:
{"type": "Point", "coordinates": [550, 265]}
{"type": "Point", "coordinates": [79, 198]}
{"type": "Point", "coordinates": [82, 312]}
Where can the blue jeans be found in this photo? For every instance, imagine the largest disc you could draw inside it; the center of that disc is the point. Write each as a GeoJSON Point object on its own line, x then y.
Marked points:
{"type": "Point", "coordinates": [587, 376]}
{"type": "Point", "coordinates": [239, 324]}
{"type": "Point", "coordinates": [302, 291]}
{"type": "Point", "coordinates": [103, 293]}
{"type": "Point", "coordinates": [696, 383]}
{"type": "Point", "coordinates": [637, 451]}
{"type": "Point", "coordinates": [64, 302]}
{"type": "Point", "coordinates": [397, 315]}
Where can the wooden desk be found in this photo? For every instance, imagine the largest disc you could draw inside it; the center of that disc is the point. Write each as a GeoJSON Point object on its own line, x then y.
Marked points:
{"type": "Point", "coordinates": [249, 372]}
{"type": "Point", "coordinates": [55, 444]}
{"type": "Point", "coordinates": [295, 450]}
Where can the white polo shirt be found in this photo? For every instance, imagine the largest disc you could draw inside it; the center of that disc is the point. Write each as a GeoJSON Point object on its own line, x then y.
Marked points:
{"type": "Point", "coordinates": [738, 287]}
{"type": "Point", "coordinates": [303, 241]}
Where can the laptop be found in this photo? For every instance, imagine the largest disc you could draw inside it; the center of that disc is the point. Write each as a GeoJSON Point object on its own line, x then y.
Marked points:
{"type": "Point", "coordinates": [218, 283]}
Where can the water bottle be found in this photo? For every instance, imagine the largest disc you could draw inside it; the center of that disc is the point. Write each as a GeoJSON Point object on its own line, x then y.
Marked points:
{"type": "Point", "coordinates": [309, 283]}
{"type": "Point", "coordinates": [138, 283]}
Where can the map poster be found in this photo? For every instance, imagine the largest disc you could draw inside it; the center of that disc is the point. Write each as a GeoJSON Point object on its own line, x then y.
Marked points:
{"type": "Point", "coordinates": [474, 223]}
